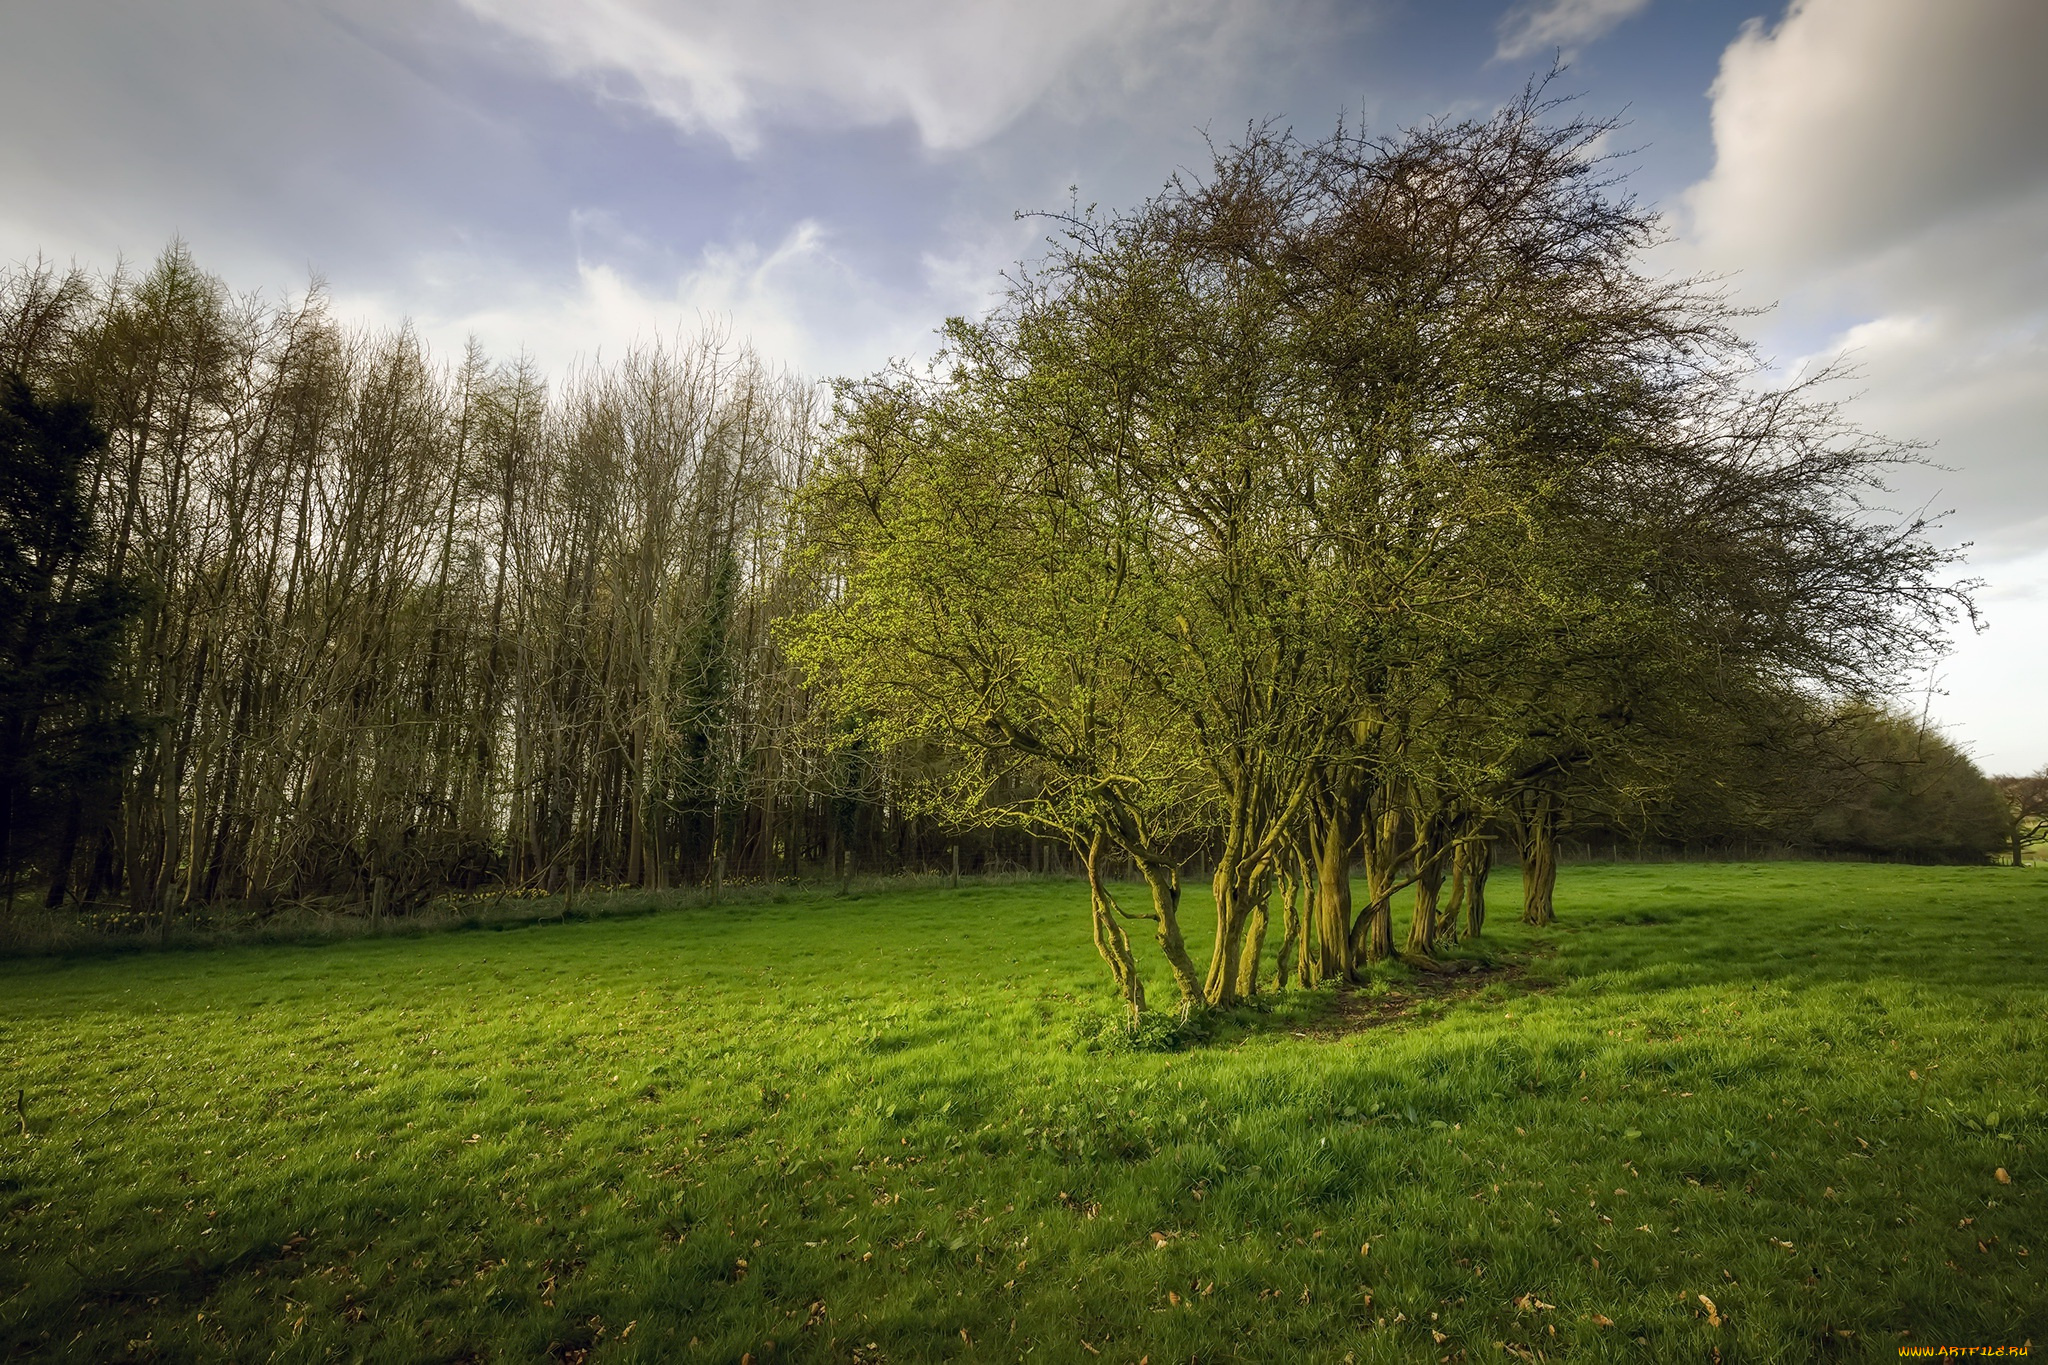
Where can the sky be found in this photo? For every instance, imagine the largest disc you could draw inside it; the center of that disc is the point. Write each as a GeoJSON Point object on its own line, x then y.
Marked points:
{"type": "Point", "coordinates": [830, 179]}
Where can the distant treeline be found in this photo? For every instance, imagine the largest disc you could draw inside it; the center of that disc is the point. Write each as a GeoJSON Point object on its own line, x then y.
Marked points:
{"type": "Point", "coordinates": [393, 625]}
{"type": "Point", "coordinates": [341, 620]}
{"type": "Point", "coordinates": [1846, 781]}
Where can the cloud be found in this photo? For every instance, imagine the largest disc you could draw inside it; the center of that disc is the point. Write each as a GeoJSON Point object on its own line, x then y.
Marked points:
{"type": "Point", "coordinates": [272, 137]}
{"type": "Point", "coordinates": [797, 300]}
{"type": "Point", "coordinates": [1855, 123]}
{"type": "Point", "coordinates": [958, 73]}
{"type": "Point", "coordinates": [1988, 691]}
{"type": "Point", "coordinates": [1541, 26]}
{"type": "Point", "coordinates": [1879, 174]}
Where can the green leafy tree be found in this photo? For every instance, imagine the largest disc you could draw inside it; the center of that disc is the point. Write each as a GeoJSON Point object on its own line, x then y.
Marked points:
{"type": "Point", "coordinates": [2026, 812]}
{"type": "Point", "coordinates": [1338, 503]}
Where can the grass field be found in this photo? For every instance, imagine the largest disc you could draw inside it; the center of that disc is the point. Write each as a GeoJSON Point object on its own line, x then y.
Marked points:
{"type": "Point", "coordinates": [905, 1127]}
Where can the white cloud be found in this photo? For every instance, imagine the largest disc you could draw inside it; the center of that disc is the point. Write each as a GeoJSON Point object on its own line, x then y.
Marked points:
{"type": "Point", "coordinates": [795, 300]}
{"type": "Point", "coordinates": [1541, 26]}
{"type": "Point", "coordinates": [1988, 692]}
{"type": "Point", "coordinates": [1880, 173]}
{"type": "Point", "coordinates": [959, 73]}
{"type": "Point", "coordinates": [1854, 123]}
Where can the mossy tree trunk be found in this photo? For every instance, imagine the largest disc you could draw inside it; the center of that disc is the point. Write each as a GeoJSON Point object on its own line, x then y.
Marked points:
{"type": "Point", "coordinates": [1331, 907]}
{"type": "Point", "coordinates": [1306, 950]}
{"type": "Point", "coordinates": [1256, 923]}
{"type": "Point", "coordinates": [1374, 933]}
{"type": "Point", "coordinates": [1475, 857]}
{"type": "Point", "coordinates": [1539, 859]}
{"type": "Point", "coordinates": [1110, 939]}
{"type": "Point", "coordinates": [1233, 910]}
{"type": "Point", "coordinates": [1163, 881]}
{"type": "Point", "coordinates": [1287, 886]}
{"type": "Point", "coordinates": [1431, 852]}
{"type": "Point", "coordinates": [1454, 898]}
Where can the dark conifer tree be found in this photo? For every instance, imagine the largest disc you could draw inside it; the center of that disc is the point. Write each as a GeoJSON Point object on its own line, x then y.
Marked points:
{"type": "Point", "coordinates": [63, 732]}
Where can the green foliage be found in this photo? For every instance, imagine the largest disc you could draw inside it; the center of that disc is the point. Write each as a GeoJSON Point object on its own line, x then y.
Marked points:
{"type": "Point", "coordinates": [831, 1123]}
{"type": "Point", "coordinates": [1838, 779]}
{"type": "Point", "coordinates": [2024, 802]}
{"type": "Point", "coordinates": [1359, 496]}
{"type": "Point", "coordinates": [1903, 791]}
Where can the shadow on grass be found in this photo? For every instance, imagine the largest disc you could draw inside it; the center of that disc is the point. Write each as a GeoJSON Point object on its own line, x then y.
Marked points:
{"type": "Point", "coordinates": [64, 934]}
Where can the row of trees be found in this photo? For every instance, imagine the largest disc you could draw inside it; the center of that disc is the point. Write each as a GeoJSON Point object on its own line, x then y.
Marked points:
{"type": "Point", "coordinates": [1364, 498]}
{"type": "Point", "coordinates": [1362, 501]}
{"type": "Point", "coordinates": [395, 627]}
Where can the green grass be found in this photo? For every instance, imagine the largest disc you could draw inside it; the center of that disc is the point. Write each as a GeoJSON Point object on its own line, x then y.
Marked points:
{"type": "Point", "coordinates": [904, 1126]}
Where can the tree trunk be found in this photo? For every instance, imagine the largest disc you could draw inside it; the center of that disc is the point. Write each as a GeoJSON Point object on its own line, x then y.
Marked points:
{"type": "Point", "coordinates": [1477, 855]}
{"type": "Point", "coordinates": [1306, 952]}
{"type": "Point", "coordinates": [67, 852]}
{"type": "Point", "coordinates": [1539, 863]}
{"type": "Point", "coordinates": [1254, 944]}
{"type": "Point", "coordinates": [1429, 880]}
{"type": "Point", "coordinates": [1332, 908]}
{"type": "Point", "coordinates": [1233, 909]}
{"type": "Point", "coordinates": [1374, 934]}
{"type": "Point", "coordinates": [1110, 939]}
{"type": "Point", "coordinates": [1290, 929]}
{"type": "Point", "coordinates": [1453, 904]}
{"type": "Point", "coordinates": [1164, 883]}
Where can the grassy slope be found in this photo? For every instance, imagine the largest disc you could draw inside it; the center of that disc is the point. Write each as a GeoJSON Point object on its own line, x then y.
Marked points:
{"type": "Point", "coordinates": [896, 1112]}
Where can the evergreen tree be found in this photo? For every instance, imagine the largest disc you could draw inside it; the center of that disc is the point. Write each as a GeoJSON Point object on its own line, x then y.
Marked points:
{"type": "Point", "coordinates": [63, 733]}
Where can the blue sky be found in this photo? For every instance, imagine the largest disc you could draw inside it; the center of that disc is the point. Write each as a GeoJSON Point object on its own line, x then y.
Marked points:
{"type": "Point", "coordinates": [831, 178]}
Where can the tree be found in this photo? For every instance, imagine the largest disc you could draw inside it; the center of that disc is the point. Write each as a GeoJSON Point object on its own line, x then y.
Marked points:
{"type": "Point", "coordinates": [1901, 790]}
{"type": "Point", "coordinates": [1372, 491]}
{"type": "Point", "coordinates": [988, 607]}
{"type": "Point", "coordinates": [63, 733]}
{"type": "Point", "coordinates": [1338, 503]}
{"type": "Point", "coordinates": [2026, 812]}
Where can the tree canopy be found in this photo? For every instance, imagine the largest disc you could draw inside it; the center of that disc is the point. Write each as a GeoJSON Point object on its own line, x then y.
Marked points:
{"type": "Point", "coordinates": [1356, 495]}
{"type": "Point", "coordinates": [1361, 502]}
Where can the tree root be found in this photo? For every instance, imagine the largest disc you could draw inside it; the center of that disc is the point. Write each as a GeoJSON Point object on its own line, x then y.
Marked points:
{"type": "Point", "coordinates": [1430, 964]}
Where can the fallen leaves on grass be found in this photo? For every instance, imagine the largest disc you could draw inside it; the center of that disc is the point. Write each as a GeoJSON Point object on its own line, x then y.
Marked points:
{"type": "Point", "coordinates": [1713, 1313]}
{"type": "Point", "coordinates": [2001, 1176]}
{"type": "Point", "coordinates": [1602, 1320]}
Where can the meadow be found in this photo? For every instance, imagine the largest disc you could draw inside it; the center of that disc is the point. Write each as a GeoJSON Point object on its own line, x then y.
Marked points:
{"type": "Point", "coordinates": [1747, 1112]}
